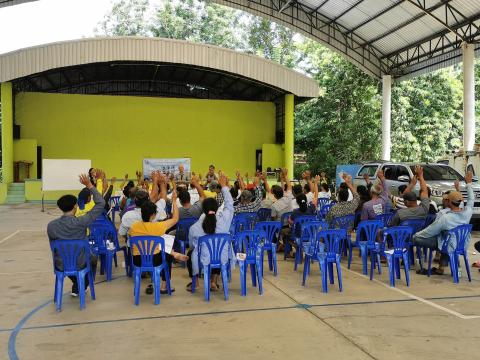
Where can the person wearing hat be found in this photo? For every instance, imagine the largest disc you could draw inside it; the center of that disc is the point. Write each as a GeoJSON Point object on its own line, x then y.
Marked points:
{"type": "Point", "coordinates": [412, 209]}
{"type": "Point", "coordinates": [431, 236]}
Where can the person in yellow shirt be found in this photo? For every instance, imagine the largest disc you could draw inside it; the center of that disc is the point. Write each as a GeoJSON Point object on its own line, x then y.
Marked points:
{"type": "Point", "coordinates": [146, 228]}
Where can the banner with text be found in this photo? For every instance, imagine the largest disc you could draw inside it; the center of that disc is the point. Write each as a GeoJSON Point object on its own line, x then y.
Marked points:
{"type": "Point", "coordinates": [165, 165]}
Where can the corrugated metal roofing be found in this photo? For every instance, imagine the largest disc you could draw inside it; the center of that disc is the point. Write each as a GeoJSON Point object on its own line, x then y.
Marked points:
{"type": "Point", "coordinates": [38, 59]}
{"type": "Point", "coordinates": [396, 37]}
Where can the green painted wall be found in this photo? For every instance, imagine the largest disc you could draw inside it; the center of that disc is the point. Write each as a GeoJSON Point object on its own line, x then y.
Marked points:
{"type": "Point", "coordinates": [26, 149]}
{"type": "Point", "coordinates": [272, 156]}
{"type": "Point", "coordinates": [117, 132]}
{"type": "Point", "coordinates": [3, 192]}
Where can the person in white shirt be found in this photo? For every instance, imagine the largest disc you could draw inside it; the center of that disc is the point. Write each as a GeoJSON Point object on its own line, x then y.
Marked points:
{"type": "Point", "coordinates": [283, 200]}
{"type": "Point", "coordinates": [324, 192]}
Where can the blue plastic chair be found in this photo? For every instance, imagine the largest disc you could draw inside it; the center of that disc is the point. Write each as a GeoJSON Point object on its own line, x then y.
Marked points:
{"type": "Point", "coordinates": [244, 221]}
{"type": "Point", "coordinates": [399, 236]}
{"type": "Point", "coordinates": [311, 229]}
{"type": "Point", "coordinates": [69, 251]}
{"type": "Point", "coordinates": [461, 234]}
{"type": "Point", "coordinates": [416, 225]}
{"type": "Point", "coordinates": [264, 214]}
{"type": "Point", "coordinates": [253, 242]}
{"type": "Point", "coordinates": [114, 206]}
{"type": "Point", "coordinates": [272, 230]}
{"type": "Point", "coordinates": [429, 220]}
{"type": "Point", "coordinates": [146, 246]}
{"type": "Point", "coordinates": [385, 218]}
{"type": "Point", "coordinates": [321, 202]}
{"type": "Point", "coordinates": [214, 244]}
{"type": "Point", "coordinates": [322, 214]}
{"type": "Point", "coordinates": [331, 241]}
{"type": "Point", "coordinates": [299, 237]}
{"type": "Point", "coordinates": [181, 233]}
{"type": "Point", "coordinates": [368, 230]}
{"type": "Point", "coordinates": [346, 222]}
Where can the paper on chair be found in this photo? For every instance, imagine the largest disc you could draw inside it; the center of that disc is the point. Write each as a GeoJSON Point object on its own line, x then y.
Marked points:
{"type": "Point", "coordinates": [169, 239]}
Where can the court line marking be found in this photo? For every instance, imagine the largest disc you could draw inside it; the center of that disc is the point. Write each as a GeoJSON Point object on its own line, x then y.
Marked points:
{"type": "Point", "coordinates": [16, 233]}
{"type": "Point", "coordinates": [9, 236]}
{"type": "Point", "coordinates": [418, 298]}
{"type": "Point", "coordinates": [372, 302]}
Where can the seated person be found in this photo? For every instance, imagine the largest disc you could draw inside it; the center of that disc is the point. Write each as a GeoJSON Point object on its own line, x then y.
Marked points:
{"type": "Point", "coordinates": [431, 237]}
{"type": "Point", "coordinates": [181, 177]}
{"type": "Point", "coordinates": [378, 204]}
{"type": "Point", "coordinates": [211, 176]}
{"type": "Point", "coordinates": [250, 202]}
{"type": "Point", "coordinates": [188, 210]}
{"type": "Point", "coordinates": [141, 196]}
{"type": "Point", "coordinates": [211, 221]}
{"type": "Point", "coordinates": [344, 207]}
{"type": "Point", "coordinates": [283, 200]}
{"type": "Point", "coordinates": [296, 190]}
{"type": "Point", "coordinates": [412, 209]}
{"type": "Point", "coordinates": [149, 226]}
{"type": "Point", "coordinates": [70, 227]}
{"type": "Point", "coordinates": [324, 192]}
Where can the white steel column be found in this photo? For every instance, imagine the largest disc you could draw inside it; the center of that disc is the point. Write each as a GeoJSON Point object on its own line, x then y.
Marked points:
{"type": "Point", "coordinates": [386, 116]}
{"type": "Point", "coordinates": [468, 96]}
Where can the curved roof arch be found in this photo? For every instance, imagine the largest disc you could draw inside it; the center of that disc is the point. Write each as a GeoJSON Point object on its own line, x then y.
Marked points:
{"type": "Point", "coordinates": [402, 38]}
{"type": "Point", "coordinates": [135, 50]}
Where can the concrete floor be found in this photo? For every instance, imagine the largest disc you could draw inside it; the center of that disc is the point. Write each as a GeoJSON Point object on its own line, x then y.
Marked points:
{"type": "Point", "coordinates": [369, 320]}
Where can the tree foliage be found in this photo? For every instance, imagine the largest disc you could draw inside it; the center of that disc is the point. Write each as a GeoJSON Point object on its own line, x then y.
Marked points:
{"type": "Point", "coordinates": [342, 125]}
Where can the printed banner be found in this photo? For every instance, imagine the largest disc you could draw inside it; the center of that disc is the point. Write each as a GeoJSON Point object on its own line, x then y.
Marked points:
{"type": "Point", "coordinates": [165, 165]}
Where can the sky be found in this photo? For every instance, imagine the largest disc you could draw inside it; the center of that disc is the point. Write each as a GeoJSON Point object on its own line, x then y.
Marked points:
{"type": "Point", "coordinates": [46, 21]}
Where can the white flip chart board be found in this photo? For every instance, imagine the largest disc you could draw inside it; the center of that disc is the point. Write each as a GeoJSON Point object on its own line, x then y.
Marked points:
{"type": "Point", "coordinates": [62, 174]}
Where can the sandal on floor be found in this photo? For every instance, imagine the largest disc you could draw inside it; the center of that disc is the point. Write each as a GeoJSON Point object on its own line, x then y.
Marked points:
{"type": "Point", "coordinates": [476, 264]}
{"type": "Point", "coordinates": [436, 272]}
{"type": "Point", "coordinates": [189, 287]}
{"type": "Point", "coordinates": [422, 272]}
{"type": "Point", "coordinates": [165, 292]}
{"type": "Point", "coordinates": [149, 290]}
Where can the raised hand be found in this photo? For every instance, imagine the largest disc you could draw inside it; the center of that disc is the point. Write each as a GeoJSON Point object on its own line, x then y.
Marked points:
{"type": "Point", "coordinates": [317, 179]}
{"type": "Point", "coordinates": [126, 177]}
{"type": "Point", "coordinates": [366, 177]}
{"type": "Point", "coordinates": [263, 176]}
{"type": "Point", "coordinates": [457, 185]}
{"type": "Point", "coordinates": [223, 181]}
{"type": "Point", "coordinates": [237, 174]}
{"type": "Point", "coordinates": [380, 174]}
{"type": "Point", "coordinates": [469, 177]}
{"type": "Point", "coordinates": [85, 180]}
{"type": "Point", "coordinates": [419, 171]}
{"type": "Point", "coordinates": [113, 180]}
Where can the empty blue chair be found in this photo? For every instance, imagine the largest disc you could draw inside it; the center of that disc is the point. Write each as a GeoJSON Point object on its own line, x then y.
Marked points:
{"type": "Point", "coordinates": [311, 229]}
{"type": "Point", "coordinates": [299, 236]}
{"type": "Point", "coordinates": [214, 245]}
{"type": "Point", "coordinates": [253, 242]}
{"type": "Point", "coordinates": [398, 236]}
{"type": "Point", "coordinates": [102, 238]}
{"type": "Point", "coordinates": [272, 230]}
{"type": "Point", "coordinates": [329, 255]}
{"type": "Point", "coordinates": [346, 222]}
{"type": "Point", "coordinates": [146, 246]}
{"type": "Point", "coordinates": [114, 206]}
{"type": "Point", "coordinates": [244, 221]}
{"type": "Point", "coordinates": [366, 240]}
{"type": "Point", "coordinates": [181, 233]}
{"type": "Point", "coordinates": [458, 239]}
{"type": "Point", "coordinates": [264, 214]}
{"type": "Point", "coordinates": [70, 251]}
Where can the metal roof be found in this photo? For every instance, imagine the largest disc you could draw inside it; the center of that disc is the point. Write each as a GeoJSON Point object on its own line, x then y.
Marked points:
{"type": "Point", "coordinates": [32, 63]}
{"type": "Point", "coordinates": [402, 38]}
{"type": "Point", "coordinates": [4, 3]}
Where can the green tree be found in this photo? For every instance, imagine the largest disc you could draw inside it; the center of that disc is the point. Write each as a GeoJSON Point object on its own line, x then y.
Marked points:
{"type": "Point", "coordinates": [127, 18]}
